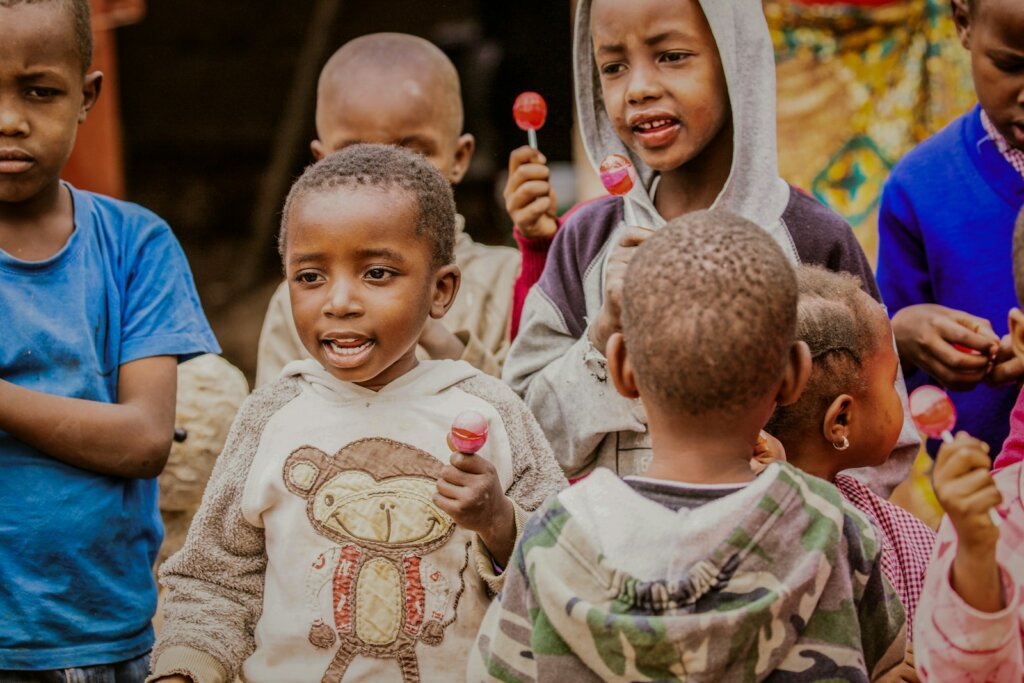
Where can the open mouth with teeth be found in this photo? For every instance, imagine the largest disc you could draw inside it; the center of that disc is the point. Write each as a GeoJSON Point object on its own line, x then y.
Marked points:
{"type": "Point", "coordinates": [348, 352]}
{"type": "Point", "coordinates": [651, 126]}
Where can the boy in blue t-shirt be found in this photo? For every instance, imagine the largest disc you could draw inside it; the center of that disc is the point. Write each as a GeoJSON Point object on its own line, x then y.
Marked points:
{"type": "Point", "coordinates": [946, 229]}
{"type": "Point", "coordinates": [98, 307]}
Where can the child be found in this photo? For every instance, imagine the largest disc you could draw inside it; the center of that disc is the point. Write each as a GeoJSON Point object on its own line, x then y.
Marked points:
{"type": "Point", "coordinates": [686, 89]}
{"type": "Point", "coordinates": [98, 308]}
{"type": "Point", "coordinates": [970, 629]}
{"type": "Point", "coordinates": [393, 88]}
{"type": "Point", "coordinates": [849, 415]}
{"type": "Point", "coordinates": [333, 542]}
{"type": "Point", "coordinates": [1013, 448]}
{"type": "Point", "coordinates": [699, 570]}
{"type": "Point", "coordinates": [943, 269]}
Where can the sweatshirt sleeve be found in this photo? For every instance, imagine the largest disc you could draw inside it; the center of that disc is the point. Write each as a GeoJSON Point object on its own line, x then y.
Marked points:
{"type": "Point", "coordinates": [214, 584]}
{"type": "Point", "coordinates": [955, 642]}
{"type": "Point", "coordinates": [552, 364]}
{"type": "Point", "coordinates": [534, 254]}
{"type": "Point", "coordinates": [279, 342]}
{"type": "Point", "coordinates": [1013, 447]}
{"type": "Point", "coordinates": [903, 276]}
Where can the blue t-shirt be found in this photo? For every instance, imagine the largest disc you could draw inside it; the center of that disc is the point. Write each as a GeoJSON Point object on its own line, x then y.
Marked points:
{"type": "Point", "coordinates": [76, 547]}
{"type": "Point", "coordinates": [945, 237]}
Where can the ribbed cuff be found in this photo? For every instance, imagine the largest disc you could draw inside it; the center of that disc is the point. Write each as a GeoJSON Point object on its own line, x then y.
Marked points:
{"type": "Point", "coordinates": [486, 566]}
{"type": "Point", "coordinates": [182, 660]}
{"type": "Point", "coordinates": [974, 630]}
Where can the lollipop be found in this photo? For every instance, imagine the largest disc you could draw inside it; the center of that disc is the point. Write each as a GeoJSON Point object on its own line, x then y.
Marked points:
{"type": "Point", "coordinates": [618, 177]}
{"type": "Point", "coordinates": [934, 416]}
{"type": "Point", "coordinates": [933, 413]}
{"type": "Point", "coordinates": [469, 432]}
{"type": "Point", "coordinates": [530, 111]}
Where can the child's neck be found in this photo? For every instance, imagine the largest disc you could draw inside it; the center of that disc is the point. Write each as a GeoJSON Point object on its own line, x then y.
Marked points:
{"type": "Point", "coordinates": [704, 450]}
{"type": "Point", "coordinates": [808, 455]}
{"type": "Point", "coordinates": [37, 228]}
{"type": "Point", "coordinates": [696, 184]}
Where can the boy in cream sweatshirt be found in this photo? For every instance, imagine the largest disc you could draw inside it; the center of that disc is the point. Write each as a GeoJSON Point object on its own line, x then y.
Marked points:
{"type": "Point", "coordinates": [339, 538]}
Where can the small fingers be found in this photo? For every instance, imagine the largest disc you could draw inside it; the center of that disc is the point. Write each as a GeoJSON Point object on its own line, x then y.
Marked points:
{"type": "Point", "coordinates": [524, 155]}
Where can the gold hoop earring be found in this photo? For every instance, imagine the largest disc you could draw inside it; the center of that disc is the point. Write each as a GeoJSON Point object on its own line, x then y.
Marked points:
{"type": "Point", "coordinates": [842, 445]}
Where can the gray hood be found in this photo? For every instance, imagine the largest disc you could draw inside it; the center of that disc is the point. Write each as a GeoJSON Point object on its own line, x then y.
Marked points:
{"type": "Point", "coordinates": [754, 189]}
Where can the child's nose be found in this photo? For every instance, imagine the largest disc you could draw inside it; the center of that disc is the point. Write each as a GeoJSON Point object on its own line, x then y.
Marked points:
{"type": "Point", "coordinates": [342, 301]}
{"type": "Point", "coordinates": [643, 83]}
{"type": "Point", "coordinates": [13, 122]}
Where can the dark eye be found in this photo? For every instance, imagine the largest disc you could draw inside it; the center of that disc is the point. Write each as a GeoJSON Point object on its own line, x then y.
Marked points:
{"type": "Point", "coordinates": [379, 274]}
{"type": "Point", "coordinates": [675, 56]}
{"type": "Point", "coordinates": [328, 500]}
{"type": "Point", "coordinates": [41, 93]}
{"type": "Point", "coordinates": [612, 69]}
{"type": "Point", "coordinates": [307, 277]}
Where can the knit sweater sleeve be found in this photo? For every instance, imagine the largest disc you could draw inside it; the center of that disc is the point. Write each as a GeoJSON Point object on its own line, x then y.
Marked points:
{"type": "Point", "coordinates": [955, 642]}
{"type": "Point", "coordinates": [214, 584]}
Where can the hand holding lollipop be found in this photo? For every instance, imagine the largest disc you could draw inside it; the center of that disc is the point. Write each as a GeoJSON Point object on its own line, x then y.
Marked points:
{"type": "Point", "coordinates": [618, 177]}
{"type": "Point", "coordinates": [530, 112]}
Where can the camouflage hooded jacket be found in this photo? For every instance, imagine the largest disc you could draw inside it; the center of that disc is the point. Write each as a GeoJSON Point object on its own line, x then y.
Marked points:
{"type": "Point", "coordinates": [783, 585]}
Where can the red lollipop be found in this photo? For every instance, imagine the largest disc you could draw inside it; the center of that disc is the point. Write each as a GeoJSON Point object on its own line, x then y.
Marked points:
{"type": "Point", "coordinates": [933, 412]}
{"type": "Point", "coordinates": [618, 176]}
{"type": "Point", "coordinates": [469, 432]}
{"type": "Point", "coordinates": [530, 111]}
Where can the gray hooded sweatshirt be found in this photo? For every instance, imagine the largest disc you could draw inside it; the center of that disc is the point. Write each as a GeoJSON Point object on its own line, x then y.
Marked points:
{"type": "Point", "coordinates": [552, 364]}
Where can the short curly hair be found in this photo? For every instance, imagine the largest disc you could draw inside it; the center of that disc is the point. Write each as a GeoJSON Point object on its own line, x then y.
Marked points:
{"type": "Point", "coordinates": [81, 19]}
{"type": "Point", "coordinates": [386, 167]}
{"type": "Point", "coordinates": [709, 313]}
{"type": "Point", "coordinates": [835, 317]}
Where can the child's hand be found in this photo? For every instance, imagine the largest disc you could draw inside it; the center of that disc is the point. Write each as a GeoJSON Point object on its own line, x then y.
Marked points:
{"type": "Point", "coordinates": [609, 317]}
{"type": "Point", "coordinates": [968, 494]}
{"type": "Point", "coordinates": [926, 335]}
{"type": "Point", "coordinates": [469, 491]}
{"type": "Point", "coordinates": [1006, 367]}
{"type": "Point", "coordinates": [767, 450]}
{"type": "Point", "coordinates": [904, 671]}
{"type": "Point", "coordinates": [529, 197]}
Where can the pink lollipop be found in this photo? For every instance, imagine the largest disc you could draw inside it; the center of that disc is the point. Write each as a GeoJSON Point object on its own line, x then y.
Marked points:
{"type": "Point", "coordinates": [530, 112]}
{"type": "Point", "coordinates": [618, 177]}
{"type": "Point", "coordinates": [935, 416]}
{"type": "Point", "coordinates": [933, 412]}
{"type": "Point", "coordinates": [469, 432]}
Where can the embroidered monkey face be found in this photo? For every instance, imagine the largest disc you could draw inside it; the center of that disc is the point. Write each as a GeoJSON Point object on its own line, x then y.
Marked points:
{"type": "Point", "coordinates": [376, 492]}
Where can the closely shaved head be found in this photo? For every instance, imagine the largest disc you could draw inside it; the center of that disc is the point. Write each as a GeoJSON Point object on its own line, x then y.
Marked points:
{"type": "Point", "coordinates": [389, 60]}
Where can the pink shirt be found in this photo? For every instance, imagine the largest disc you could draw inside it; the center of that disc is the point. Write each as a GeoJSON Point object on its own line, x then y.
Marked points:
{"type": "Point", "coordinates": [1013, 447]}
{"type": "Point", "coordinates": [955, 642]}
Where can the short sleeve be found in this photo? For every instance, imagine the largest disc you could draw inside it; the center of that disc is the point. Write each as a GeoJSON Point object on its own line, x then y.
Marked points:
{"type": "Point", "coordinates": [161, 313]}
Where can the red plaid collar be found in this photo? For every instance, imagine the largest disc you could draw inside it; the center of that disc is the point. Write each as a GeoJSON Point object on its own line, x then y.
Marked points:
{"type": "Point", "coordinates": [1009, 152]}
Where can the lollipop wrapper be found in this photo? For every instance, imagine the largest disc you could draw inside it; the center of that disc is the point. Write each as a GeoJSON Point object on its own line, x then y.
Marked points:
{"type": "Point", "coordinates": [469, 432]}
{"type": "Point", "coordinates": [617, 174]}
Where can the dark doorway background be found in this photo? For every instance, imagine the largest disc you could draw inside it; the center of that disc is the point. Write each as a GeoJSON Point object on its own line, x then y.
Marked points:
{"type": "Point", "coordinates": [204, 86]}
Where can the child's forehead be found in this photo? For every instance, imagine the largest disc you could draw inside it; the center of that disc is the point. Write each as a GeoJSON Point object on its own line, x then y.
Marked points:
{"type": "Point", "coordinates": [611, 18]}
{"type": "Point", "coordinates": [39, 35]}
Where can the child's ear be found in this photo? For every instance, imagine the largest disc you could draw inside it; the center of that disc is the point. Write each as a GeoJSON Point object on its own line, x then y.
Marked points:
{"type": "Point", "coordinates": [962, 20]}
{"type": "Point", "coordinates": [318, 149]}
{"type": "Point", "coordinates": [464, 148]}
{"type": "Point", "coordinates": [91, 86]}
{"type": "Point", "coordinates": [1017, 332]}
{"type": "Point", "coordinates": [835, 427]}
{"type": "Point", "coordinates": [797, 372]}
{"type": "Point", "coordinates": [446, 286]}
{"type": "Point", "coordinates": [620, 369]}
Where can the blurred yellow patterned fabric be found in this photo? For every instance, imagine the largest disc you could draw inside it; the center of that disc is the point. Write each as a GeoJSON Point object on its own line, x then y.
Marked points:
{"type": "Point", "coordinates": [859, 85]}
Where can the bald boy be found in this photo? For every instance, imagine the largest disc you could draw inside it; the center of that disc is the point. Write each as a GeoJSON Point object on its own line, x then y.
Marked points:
{"type": "Point", "coordinates": [393, 88]}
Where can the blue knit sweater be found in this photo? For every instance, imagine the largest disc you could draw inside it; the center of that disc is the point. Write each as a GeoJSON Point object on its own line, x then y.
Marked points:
{"type": "Point", "coordinates": [946, 236]}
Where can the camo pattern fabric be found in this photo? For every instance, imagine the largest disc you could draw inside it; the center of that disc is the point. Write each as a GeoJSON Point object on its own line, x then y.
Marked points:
{"type": "Point", "coordinates": [796, 593]}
